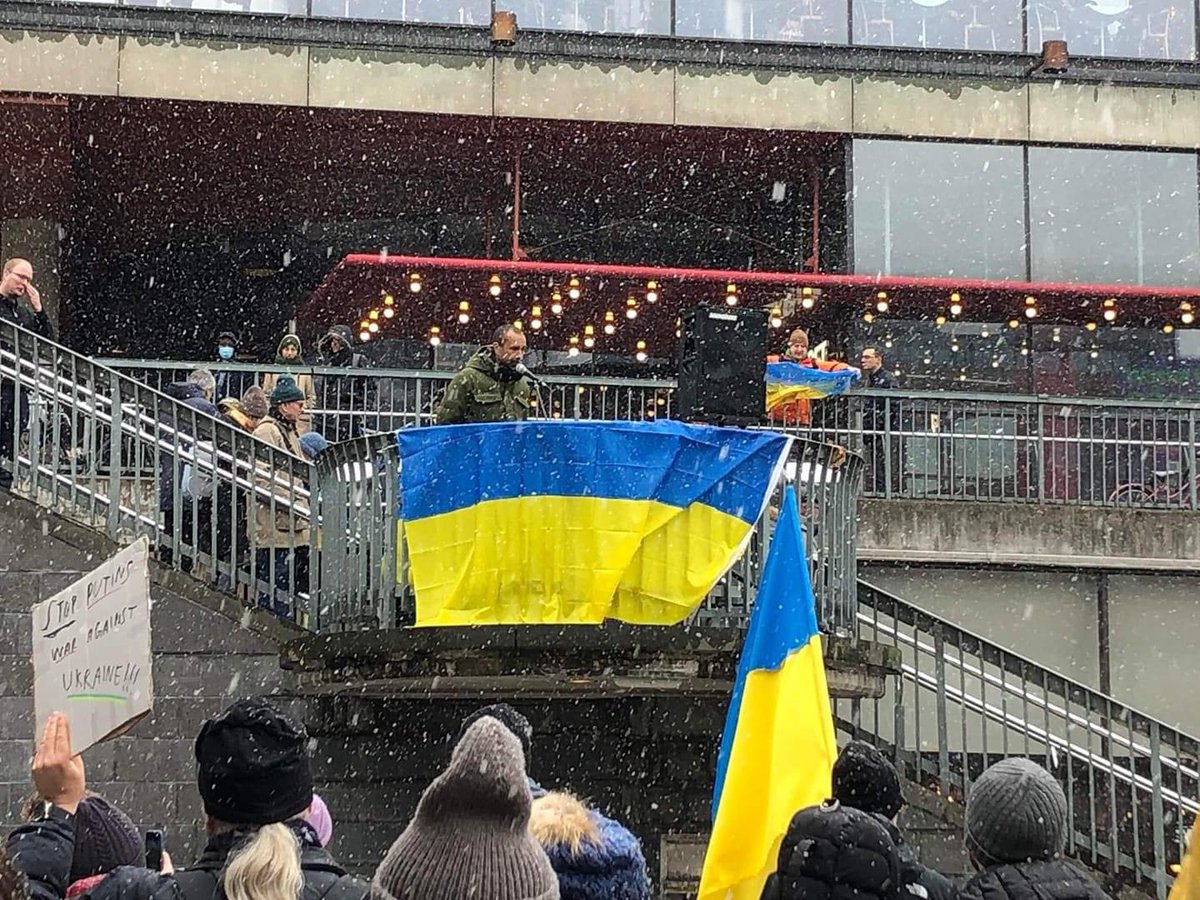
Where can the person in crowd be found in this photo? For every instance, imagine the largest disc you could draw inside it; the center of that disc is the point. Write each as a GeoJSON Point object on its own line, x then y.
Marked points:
{"type": "Point", "coordinates": [196, 392]}
{"type": "Point", "coordinates": [490, 387]}
{"type": "Point", "coordinates": [281, 535]}
{"type": "Point", "coordinates": [1015, 833]}
{"type": "Point", "coordinates": [345, 397]}
{"type": "Point", "coordinates": [313, 444]}
{"type": "Point", "coordinates": [230, 502]}
{"type": "Point", "coordinates": [875, 419]}
{"type": "Point", "coordinates": [594, 857]}
{"type": "Point", "coordinates": [516, 723]}
{"type": "Point", "coordinates": [290, 355]}
{"type": "Point", "coordinates": [20, 304]}
{"type": "Point", "coordinates": [319, 818]}
{"type": "Point", "coordinates": [799, 411]}
{"type": "Point", "coordinates": [469, 838]}
{"type": "Point", "coordinates": [832, 851]}
{"type": "Point", "coordinates": [230, 383]}
{"type": "Point", "coordinates": [864, 779]}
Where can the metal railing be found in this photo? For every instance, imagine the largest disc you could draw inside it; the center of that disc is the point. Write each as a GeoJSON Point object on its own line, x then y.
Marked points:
{"type": "Point", "coordinates": [106, 450]}
{"type": "Point", "coordinates": [962, 703]}
{"type": "Point", "coordinates": [918, 445]}
{"type": "Point", "coordinates": [363, 573]}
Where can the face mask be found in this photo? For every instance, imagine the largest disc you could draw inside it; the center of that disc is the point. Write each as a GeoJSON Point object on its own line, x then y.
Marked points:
{"type": "Point", "coordinates": [225, 352]}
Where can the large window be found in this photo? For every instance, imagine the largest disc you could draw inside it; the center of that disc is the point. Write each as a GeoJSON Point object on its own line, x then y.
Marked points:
{"type": "Point", "coordinates": [1113, 217]}
{"type": "Point", "coordinates": [938, 209]}
{"type": "Point", "coordinates": [1163, 29]}
{"type": "Point", "coordinates": [602, 16]}
{"type": "Point", "coordinates": [952, 24]}
{"type": "Point", "coordinates": [796, 21]}
{"type": "Point", "coordinates": [444, 12]}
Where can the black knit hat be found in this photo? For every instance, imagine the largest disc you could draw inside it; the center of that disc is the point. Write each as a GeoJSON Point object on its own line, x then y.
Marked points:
{"type": "Point", "coordinates": [252, 765]}
{"type": "Point", "coordinates": [864, 779]}
{"type": "Point", "coordinates": [105, 838]}
{"type": "Point", "coordinates": [509, 718]}
{"type": "Point", "coordinates": [286, 391]}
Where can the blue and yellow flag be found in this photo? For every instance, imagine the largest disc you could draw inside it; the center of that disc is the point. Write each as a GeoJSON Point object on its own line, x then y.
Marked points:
{"type": "Point", "coordinates": [576, 522]}
{"type": "Point", "coordinates": [779, 746]}
{"type": "Point", "coordinates": [1187, 876]}
{"type": "Point", "coordinates": [788, 381]}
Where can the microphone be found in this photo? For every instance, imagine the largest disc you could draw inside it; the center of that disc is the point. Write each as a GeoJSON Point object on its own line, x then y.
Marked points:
{"type": "Point", "coordinates": [523, 370]}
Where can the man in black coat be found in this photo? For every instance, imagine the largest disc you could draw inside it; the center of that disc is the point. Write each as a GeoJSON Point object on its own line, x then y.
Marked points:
{"type": "Point", "coordinates": [1016, 831]}
{"type": "Point", "coordinates": [877, 442]}
{"type": "Point", "coordinates": [864, 779]}
{"type": "Point", "coordinates": [20, 304]}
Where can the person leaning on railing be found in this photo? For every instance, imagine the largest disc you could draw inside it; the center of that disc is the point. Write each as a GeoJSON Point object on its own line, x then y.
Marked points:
{"type": "Point", "coordinates": [490, 387]}
{"type": "Point", "coordinates": [16, 285]}
{"type": "Point", "coordinates": [281, 535]}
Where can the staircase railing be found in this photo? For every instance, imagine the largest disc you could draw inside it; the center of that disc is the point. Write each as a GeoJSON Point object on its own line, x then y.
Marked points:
{"type": "Point", "coordinates": [962, 703]}
{"type": "Point", "coordinates": [116, 455]}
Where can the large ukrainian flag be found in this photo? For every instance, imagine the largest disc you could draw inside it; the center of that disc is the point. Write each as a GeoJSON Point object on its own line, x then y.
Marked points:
{"type": "Point", "coordinates": [576, 522]}
{"type": "Point", "coordinates": [789, 381]}
{"type": "Point", "coordinates": [779, 746]}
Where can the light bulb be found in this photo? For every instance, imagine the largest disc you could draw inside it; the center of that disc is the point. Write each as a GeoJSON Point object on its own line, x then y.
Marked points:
{"type": "Point", "coordinates": [641, 356]}
{"type": "Point", "coordinates": [373, 327]}
{"type": "Point", "coordinates": [1031, 312]}
{"type": "Point", "coordinates": [373, 314]}
{"type": "Point", "coordinates": [1168, 328]}
{"type": "Point", "coordinates": [589, 342]}
{"type": "Point", "coordinates": [464, 312]}
{"type": "Point", "coordinates": [651, 291]}
{"type": "Point", "coordinates": [868, 317]}
{"type": "Point", "coordinates": [940, 320]}
{"type": "Point", "coordinates": [1110, 315]}
{"type": "Point", "coordinates": [610, 328]}
{"type": "Point", "coordinates": [956, 309]}
{"type": "Point", "coordinates": [881, 305]}
{"type": "Point", "coordinates": [494, 286]}
{"type": "Point", "coordinates": [556, 305]}
{"type": "Point", "coordinates": [573, 288]}
{"type": "Point", "coordinates": [414, 282]}
{"type": "Point", "coordinates": [1187, 318]}
{"type": "Point", "coordinates": [389, 300]}
{"type": "Point", "coordinates": [389, 311]}
{"type": "Point", "coordinates": [364, 336]}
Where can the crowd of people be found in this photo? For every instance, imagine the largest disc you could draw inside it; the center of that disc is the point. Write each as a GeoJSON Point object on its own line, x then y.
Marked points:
{"type": "Point", "coordinates": [484, 829]}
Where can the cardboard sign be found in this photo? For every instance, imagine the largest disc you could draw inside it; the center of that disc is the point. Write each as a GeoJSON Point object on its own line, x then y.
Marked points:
{"type": "Point", "coordinates": [91, 650]}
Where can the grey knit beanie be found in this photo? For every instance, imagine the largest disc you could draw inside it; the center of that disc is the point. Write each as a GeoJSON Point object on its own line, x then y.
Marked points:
{"type": "Point", "coordinates": [469, 839]}
{"type": "Point", "coordinates": [1016, 812]}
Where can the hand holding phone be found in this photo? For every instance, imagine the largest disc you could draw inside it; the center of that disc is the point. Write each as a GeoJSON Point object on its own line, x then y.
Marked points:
{"type": "Point", "coordinates": [155, 846]}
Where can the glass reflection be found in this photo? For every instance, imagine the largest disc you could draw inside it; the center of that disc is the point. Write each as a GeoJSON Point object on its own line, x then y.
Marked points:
{"type": "Point", "coordinates": [1113, 217]}
{"type": "Point", "coordinates": [1148, 29]}
{"type": "Point", "coordinates": [952, 24]}
{"type": "Point", "coordinates": [938, 209]}
{"type": "Point", "coordinates": [439, 12]}
{"type": "Point", "coordinates": [798, 21]}
{"type": "Point", "coordinates": [620, 16]}
{"type": "Point", "coordinates": [268, 7]}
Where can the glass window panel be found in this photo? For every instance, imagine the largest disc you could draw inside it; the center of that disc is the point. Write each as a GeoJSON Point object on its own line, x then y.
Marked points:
{"type": "Point", "coordinates": [952, 24]}
{"type": "Point", "coordinates": [796, 21]}
{"type": "Point", "coordinates": [621, 16]}
{"type": "Point", "coordinates": [1157, 29]}
{"type": "Point", "coordinates": [278, 7]}
{"type": "Point", "coordinates": [938, 209]}
{"type": "Point", "coordinates": [1113, 217]}
{"type": "Point", "coordinates": [441, 12]}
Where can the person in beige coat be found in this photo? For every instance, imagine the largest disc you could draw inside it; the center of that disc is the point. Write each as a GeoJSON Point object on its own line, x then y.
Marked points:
{"type": "Point", "coordinates": [281, 535]}
{"type": "Point", "coordinates": [291, 354]}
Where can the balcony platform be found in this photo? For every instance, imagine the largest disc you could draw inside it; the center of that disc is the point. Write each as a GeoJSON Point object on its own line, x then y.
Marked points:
{"type": "Point", "coordinates": [550, 662]}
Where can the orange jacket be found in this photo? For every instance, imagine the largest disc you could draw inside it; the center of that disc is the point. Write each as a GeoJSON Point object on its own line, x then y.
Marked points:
{"type": "Point", "coordinates": [799, 412]}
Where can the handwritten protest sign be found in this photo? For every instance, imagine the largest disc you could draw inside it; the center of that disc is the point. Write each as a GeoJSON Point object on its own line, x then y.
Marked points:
{"type": "Point", "coordinates": [91, 650]}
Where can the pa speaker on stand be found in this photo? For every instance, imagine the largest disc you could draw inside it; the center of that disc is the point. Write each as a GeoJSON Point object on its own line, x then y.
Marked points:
{"type": "Point", "coordinates": [722, 366]}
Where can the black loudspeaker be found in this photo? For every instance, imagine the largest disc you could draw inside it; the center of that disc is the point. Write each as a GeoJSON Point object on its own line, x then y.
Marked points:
{"type": "Point", "coordinates": [722, 366]}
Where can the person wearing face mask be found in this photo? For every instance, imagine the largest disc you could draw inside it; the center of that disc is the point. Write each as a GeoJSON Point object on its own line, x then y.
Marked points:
{"type": "Point", "coordinates": [230, 383]}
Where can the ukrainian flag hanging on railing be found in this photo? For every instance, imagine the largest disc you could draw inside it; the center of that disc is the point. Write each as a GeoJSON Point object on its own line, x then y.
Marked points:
{"type": "Point", "coordinates": [779, 746]}
{"type": "Point", "coordinates": [576, 522]}
{"type": "Point", "coordinates": [789, 381]}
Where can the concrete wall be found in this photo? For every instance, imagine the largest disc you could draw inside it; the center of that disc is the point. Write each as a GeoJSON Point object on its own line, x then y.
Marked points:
{"type": "Point", "coordinates": [1028, 534]}
{"type": "Point", "coordinates": [637, 92]}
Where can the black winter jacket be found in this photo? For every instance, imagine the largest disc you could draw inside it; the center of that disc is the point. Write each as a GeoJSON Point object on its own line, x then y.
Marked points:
{"type": "Point", "coordinates": [1054, 879]}
{"type": "Point", "coordinates": [43, 850]}
{"type": "Point", "coordinates": [917, 881]}
{"type": "Point", "coordinates": [323, 878]}
{"type": "Point", "coordinates": [833, 852]}
{"type": "Point", "coordinates": [18, 311]}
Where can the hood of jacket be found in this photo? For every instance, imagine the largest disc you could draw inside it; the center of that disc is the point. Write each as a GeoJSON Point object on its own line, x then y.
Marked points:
{"type": "Point", "coordinates": [594, 857]}
{"type": "Point", "coordinates": [295, 342]}
{"type": "Point", "coordinates": [344, 356]}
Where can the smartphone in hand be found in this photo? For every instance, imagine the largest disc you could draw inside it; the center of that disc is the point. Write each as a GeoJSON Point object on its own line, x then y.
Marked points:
{"type": "Point", "coordinates": [155, 843]}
